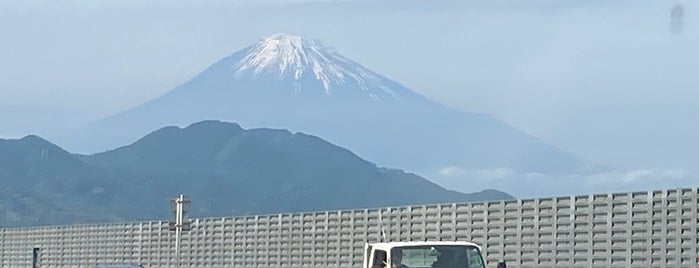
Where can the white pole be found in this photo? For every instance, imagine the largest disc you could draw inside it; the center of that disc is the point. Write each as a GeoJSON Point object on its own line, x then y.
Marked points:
{"type": "Point", "coordinates": [178, 228]}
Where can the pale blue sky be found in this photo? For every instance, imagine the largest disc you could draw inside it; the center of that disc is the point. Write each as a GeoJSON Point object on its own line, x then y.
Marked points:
{"type": "Point", "coordinates": [603, 79]}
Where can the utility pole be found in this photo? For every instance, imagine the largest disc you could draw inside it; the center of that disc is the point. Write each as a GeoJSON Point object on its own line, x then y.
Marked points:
{"type": "Point", "coordinates": [180, 207]}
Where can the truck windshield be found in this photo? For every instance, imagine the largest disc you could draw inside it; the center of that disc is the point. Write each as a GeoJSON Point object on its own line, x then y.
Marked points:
{"type": "Point", "coordinates": [437, 257]}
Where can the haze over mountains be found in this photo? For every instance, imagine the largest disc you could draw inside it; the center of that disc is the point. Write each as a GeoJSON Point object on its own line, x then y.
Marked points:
{"type": "Point", "coordinates": [608, 81]}
{"type": "Point", "coordinates": [292, 82]}
{"type": "Point", "coordinates": [226, 169]}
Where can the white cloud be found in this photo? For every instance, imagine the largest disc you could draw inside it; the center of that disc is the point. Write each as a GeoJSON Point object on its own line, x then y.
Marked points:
{"type": "Point", "coordinates": [446, 171]}
{"type": "Point", "coordinates": [528, 185]}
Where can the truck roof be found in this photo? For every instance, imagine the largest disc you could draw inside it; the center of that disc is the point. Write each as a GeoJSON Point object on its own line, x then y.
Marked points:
{"type": "Point", "coordinates": [389, 245]}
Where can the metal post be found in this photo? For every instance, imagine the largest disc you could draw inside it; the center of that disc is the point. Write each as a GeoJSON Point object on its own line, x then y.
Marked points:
{"type": "Point", "coordinates": [178, 205]}
{"type": "Point", "coordinates": [178, 230]}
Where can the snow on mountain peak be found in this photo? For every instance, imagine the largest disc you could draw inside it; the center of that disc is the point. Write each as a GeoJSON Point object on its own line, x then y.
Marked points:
{"type": "Point", "coordinates": [286, 56]}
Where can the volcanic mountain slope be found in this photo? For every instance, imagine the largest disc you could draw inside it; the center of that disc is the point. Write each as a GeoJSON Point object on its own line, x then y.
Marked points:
{"type": "Point", "coordinates": [296, 83]}
{"type": "Point", "coordinates": [267, 170]}
{"type": "Point", "coordinates": [226, 169]}
{"type": "Point", "coordinates": [42, 183]}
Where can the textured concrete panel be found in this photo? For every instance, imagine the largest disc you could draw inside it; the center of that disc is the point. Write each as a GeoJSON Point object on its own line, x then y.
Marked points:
{"type": "Point", "coordinates": [638, 229]}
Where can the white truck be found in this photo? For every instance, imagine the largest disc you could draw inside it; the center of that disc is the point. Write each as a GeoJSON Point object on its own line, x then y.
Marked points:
{"type": "Point", "coordinates": [435, 254]}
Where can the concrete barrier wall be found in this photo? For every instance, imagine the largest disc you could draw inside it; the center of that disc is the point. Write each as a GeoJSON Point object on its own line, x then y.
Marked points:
{"type": "Point", "coordinates": [636, 229]}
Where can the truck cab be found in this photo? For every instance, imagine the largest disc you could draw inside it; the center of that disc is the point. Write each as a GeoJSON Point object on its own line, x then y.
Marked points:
{"type": "Point", "coordinates": [437, 254]}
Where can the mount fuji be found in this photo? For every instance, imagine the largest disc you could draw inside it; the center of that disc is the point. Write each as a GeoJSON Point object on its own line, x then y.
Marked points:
{"type": "Point", "coordinates": [296, 83]}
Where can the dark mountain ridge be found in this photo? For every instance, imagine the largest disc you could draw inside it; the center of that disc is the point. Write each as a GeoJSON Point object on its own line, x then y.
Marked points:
{"type": "Point", "coordinates": [226, 169]}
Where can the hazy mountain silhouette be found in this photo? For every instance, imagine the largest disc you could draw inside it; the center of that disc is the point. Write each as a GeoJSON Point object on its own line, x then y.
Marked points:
{"type": "Point", "coordinates": [226, 169]}
{"type": "Point", "coordinates": [296, 83]}
{"type": "Point", "coordinates": [42, 183]}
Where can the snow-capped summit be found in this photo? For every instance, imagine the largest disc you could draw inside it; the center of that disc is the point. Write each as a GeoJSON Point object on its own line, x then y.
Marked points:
{"type": "Point", "coordinates": [290, 57]}
{"type": "Point", "coordinates": [296, 83]}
